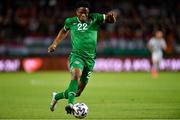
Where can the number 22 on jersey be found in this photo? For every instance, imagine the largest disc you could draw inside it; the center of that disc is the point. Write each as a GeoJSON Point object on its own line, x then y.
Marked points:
{"type": "Point", "coordinates": [82, 26]}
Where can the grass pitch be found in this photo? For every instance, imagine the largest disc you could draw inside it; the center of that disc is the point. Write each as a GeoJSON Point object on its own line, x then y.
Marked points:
{"type": "Point", "coordinates": [108, 96]}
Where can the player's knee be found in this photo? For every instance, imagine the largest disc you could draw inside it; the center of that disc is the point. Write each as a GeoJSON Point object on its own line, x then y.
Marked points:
{"type": "Point", "coordinates": [76, 74]}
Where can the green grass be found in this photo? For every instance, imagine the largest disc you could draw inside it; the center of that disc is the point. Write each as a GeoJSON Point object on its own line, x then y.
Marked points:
{"type": "Point", "coordinates": [108, 96]}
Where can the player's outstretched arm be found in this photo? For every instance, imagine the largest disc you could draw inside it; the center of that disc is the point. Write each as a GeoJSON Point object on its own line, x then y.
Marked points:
{"type": "Point", "coordinates": [61, 35]}
{"type": "Point", "coordinates": [110, 17]}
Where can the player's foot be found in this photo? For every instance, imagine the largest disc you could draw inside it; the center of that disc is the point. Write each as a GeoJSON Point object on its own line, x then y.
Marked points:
{"type": "Point", "coordinates": [53, 102]}
{"type": "Point", "coordinates": [69, 108]}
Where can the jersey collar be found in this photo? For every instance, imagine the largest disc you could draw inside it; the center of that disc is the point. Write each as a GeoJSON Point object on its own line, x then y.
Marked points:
{"type": "Point", "coordinates": [88, 21]}
{"type": "Point", "coordinates": [78, 20]}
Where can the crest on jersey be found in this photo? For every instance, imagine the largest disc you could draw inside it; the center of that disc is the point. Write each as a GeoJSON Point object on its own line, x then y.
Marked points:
{"type": "Point", "coordinates": [76, 62]}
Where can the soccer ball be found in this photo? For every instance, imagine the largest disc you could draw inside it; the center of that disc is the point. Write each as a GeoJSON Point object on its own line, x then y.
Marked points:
{"type": "Point", "coordinates": [80, 110]}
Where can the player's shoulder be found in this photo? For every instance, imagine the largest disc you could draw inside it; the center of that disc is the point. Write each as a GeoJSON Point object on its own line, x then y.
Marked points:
{"type": "Point", "coordinates": [70, 19]}
{"type": "Point", "coordinates": [152, 40]}
{"type": "Point", "coordinates": [95, 14]}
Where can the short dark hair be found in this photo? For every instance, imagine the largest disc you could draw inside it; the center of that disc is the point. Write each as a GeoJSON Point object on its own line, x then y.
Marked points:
{"type": "Point", "coordinates": [83, 3]}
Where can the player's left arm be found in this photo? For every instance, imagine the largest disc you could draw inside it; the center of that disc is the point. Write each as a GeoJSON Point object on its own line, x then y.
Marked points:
{"type": "Point", "coordinates": [111, 17]}
{"type": "Point", "coordinates": [164, 45]}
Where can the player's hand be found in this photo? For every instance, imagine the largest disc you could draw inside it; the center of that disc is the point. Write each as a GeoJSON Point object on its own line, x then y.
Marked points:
{"type": "Point", "coordinates": [52, 48]}
{"type": "Point", "coordinates": [111, 16]}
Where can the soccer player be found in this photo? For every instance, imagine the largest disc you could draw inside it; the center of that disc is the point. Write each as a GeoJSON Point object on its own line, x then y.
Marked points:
{"type": "Point", "coordinates": [156, 44]}
{"type": "Point", "coordinates": [83, 30]}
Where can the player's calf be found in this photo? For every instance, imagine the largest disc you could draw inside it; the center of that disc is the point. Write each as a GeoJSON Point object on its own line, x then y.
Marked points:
{"type": "Point", "coordinates": [78, 94]}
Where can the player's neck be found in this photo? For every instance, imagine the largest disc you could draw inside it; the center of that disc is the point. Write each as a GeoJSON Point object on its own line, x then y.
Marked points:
{"type": "Point", "coordinates": [82, 21]}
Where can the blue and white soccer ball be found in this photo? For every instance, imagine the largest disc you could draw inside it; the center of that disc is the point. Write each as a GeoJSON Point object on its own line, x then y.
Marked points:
{"type": "Point", "coordinates": [80, 110]}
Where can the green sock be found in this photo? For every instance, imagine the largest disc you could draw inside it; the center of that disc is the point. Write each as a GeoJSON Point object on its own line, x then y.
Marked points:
{"type": "Point", "coordinates": [72, 90]}
{"type": "Point", "coordinates": [62, 95]}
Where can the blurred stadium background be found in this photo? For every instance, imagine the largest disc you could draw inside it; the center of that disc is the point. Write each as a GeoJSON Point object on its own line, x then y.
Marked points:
{"type": "Point", "coordinates": [28, 27]}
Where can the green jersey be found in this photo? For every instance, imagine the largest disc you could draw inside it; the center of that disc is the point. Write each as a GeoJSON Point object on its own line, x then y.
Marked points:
{"type": "Point", "coordinates": [84, 34]}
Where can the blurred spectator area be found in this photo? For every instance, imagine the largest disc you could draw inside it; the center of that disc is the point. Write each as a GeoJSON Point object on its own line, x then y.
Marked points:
{"type": "Point", "coordinates": [27, 27]}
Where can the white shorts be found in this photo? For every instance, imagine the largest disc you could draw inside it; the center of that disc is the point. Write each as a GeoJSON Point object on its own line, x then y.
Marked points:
{"type": "Point", "coordinates": [156, 56]}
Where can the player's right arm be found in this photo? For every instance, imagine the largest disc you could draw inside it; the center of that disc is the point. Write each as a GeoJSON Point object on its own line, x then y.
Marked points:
{"type": "Point", "coordinates": [61, 35]}
{"type": "Point", "coordinates": [149, 45]}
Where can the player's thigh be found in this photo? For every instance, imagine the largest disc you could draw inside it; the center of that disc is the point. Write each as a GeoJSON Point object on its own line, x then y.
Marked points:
{"type": "Point", "coordinates": [156, 57]}
{"type": "Point", "coordinates": [76, 65]}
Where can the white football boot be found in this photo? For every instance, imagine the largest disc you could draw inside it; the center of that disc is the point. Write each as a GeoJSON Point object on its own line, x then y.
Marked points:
{"type": "Point", "coordinates": [53, 102]}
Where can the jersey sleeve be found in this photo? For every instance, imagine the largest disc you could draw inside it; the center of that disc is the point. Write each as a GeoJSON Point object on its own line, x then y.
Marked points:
{"type": "Point", "coordinates": [67, 24]}
{"type": "Point", "coordinates": [150, 43]}
{"type": "Point", "coordinates": [164, 44]}
{"type": "Point", "coordinates": [100, 17]}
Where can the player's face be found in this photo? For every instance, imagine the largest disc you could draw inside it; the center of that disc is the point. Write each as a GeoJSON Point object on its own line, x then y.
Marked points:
{"type": "Point", "coordinates": [82, 13]}
{"type": "Point", "coordinates": [159, 34]}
